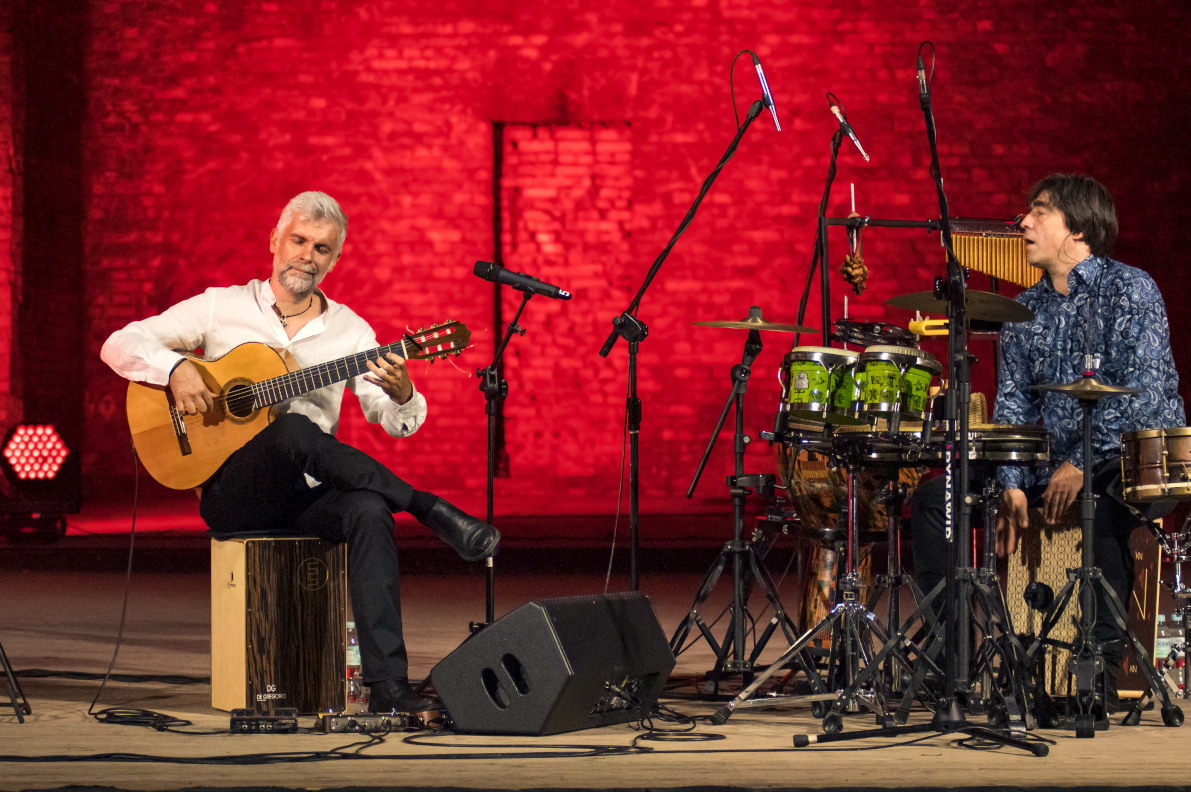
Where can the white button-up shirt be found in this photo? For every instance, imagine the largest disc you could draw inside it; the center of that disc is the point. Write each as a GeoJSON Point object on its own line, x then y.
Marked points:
{"type": "Point", "coordinates": [221, 319]}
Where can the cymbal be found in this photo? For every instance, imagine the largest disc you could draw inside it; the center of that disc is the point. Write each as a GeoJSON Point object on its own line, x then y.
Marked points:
{"type": "Point", "coordinates": [1087, 388]}
{"type": "Point", "coordinates": [984, 306]}
{"type": "Point", "coordinates": [757, 323]}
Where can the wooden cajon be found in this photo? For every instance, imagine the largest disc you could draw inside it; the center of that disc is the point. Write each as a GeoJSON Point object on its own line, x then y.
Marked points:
{"type": "Point", "coordinates": [1044, 554]}
{"type": "Point", "coordinates": [278, 624]}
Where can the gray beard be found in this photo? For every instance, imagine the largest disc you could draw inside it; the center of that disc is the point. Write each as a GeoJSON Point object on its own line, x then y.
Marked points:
{"type": "Point", "coordinates": [299, 284]}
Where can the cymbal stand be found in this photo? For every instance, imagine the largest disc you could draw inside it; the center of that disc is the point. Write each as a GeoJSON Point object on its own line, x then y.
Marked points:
{"type": "Point", "coordinates": [16, 696]}
{"type": "Point", "coordinates": [495, 389]}
{"type": "Point", "coordinates": [1087, 652]}
{"type": "Point", "coordinates": [730, 654]}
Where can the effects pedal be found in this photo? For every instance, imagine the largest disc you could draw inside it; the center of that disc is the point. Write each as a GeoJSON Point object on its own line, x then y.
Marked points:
{"type": "Point", "coordinates": [283, 720]}
{"type": "Point", "coordinates": [369, 723]}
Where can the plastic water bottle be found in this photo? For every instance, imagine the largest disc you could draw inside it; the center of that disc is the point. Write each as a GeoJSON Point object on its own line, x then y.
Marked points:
{"type": "Point", "coordinates": [1163, 644]}
{"type": "Point", "coordinates": [357, 691]}
{"type": "Point", "coordinates": [1175, 631]}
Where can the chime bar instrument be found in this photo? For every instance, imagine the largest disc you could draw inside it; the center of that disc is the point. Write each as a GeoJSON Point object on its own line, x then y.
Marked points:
{"type": "Point", "coordinates": [994, 247]}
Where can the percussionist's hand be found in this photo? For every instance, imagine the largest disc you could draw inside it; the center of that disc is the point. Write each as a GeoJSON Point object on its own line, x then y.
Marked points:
{"type": "Point", "coordinates": [191, 394]}
{"type": "Point", "coordinates": [1065, 484]}
{"type": "Point", "coordinates": [1012, 520]}
{"type": "Point", "coordinates": [392, 378]}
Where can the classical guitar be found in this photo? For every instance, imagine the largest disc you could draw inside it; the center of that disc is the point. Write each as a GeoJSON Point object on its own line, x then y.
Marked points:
{"type": "Point", "coordinates": [182, 451]}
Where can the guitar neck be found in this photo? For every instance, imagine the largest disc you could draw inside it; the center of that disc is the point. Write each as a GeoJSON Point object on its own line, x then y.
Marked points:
{"type": "Point", "coordinates": [296, 383]}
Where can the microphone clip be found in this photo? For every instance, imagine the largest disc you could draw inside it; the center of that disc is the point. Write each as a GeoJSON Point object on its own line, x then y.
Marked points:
{"type": "Point", "coordinates": [630, 328]}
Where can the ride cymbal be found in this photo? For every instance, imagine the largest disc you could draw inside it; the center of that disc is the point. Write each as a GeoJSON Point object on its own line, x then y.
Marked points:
{"type": "Point", "coordinates": [981, 306]}
{"type": "Point", "coordinates": [757, 323]}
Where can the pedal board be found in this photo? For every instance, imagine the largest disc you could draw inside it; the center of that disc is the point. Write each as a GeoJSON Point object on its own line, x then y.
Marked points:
{"type": "Point", "coordinates": [283, 720]}
{"type": "Point", "coordinates": [370, 723]}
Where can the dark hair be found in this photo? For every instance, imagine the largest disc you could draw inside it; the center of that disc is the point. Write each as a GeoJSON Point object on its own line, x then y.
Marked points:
{"type": "Point", "coordinates": [1086, 206]}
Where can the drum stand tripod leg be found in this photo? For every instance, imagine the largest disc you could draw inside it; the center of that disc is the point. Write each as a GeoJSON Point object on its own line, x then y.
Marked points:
{"type": "Point", "coordinates": [730, 654]}
{"type": "Point", "coordinates": [16, 696]}
{"type": "Point", "coordinates": [985, 590]}
{"type": "Point", "coordinates": [780, 619]}
{"type": "Point", "coordinates": [794, 650]}
{"type": "Point", "coordinates": [693, 618]}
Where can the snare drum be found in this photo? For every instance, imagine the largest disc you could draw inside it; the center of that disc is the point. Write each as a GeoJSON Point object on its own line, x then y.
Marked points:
{"type": "Point", "coordinates": [1156, 464]}
{"type": "Point", "coordinates": [1008, 444]}
{"type": "Point", "coordinates": [895, 379]}
{"type": "Point", "coordinates": [819, 380]}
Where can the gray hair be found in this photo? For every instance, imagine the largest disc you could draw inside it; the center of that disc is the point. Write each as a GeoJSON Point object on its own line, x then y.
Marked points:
{"type": "Point", "coordinates": [316, 207]}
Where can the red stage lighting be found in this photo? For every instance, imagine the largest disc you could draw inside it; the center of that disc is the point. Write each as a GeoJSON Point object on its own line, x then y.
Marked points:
{"type": "Point", "coordinates": [33, 452]}
{"type": "Point", "coordinates": [44, 483]}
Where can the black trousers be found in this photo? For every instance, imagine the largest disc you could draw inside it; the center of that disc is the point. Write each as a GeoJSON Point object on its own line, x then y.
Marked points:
{"type": "Point", "coordinates": [261, 490]}
{"type": "Point", "coordinates": [1110, 540]}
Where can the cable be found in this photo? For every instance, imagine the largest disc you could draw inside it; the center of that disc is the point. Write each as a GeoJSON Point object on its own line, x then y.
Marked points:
{"type": "Point", "coordinates": [624, 440]}
{"type": "Point", "coordinates": [136, 478]}
{"type": "Point", "coordinates": [732, 83]}
{"type": "Point", "coordinates": [164, 679]}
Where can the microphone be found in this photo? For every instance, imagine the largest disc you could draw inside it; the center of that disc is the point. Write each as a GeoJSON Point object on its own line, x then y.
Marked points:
{"type": "Point", "coordinates": [524, 283]}
{"type": "Point", "coordinates": [767, 96]}
{"type": "Point", "coordinates": [844, 125]}
{"type": "Point", "coordinates": [923, 91]}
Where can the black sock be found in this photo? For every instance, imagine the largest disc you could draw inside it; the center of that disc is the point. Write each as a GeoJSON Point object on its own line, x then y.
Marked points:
{"type": "Point", "coordinates": [421, 504]}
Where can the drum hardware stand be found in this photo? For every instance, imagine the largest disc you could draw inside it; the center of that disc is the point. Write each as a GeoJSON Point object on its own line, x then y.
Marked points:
{"type": "Point", "coordinates": [1088, 660]}
{"type": "Point", "coordinates": [851, 624]}
{"type": "Point", "coordinates": [948, 714]}
{"type": "Point", "coordinates": [1013, 711]}
{"type": "Point", "coordinates": [730, 654]}
{"type": "Point", "coordinates": [16, 696]}
{"type": "Point", "coordinates": [895, 577]}
{"type": "Point", "coordinates": [634, 331]}
{"type": "Point", "coordinates": [495, 389]}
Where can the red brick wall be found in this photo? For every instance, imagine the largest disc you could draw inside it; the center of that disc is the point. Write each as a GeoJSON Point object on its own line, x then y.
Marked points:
{"type": "Point", "coordinates": [10, 219]}
{"type": "Point", "coordinates": [206, 117]}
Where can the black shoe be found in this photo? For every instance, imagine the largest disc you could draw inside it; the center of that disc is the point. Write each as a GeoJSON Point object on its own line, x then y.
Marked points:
{"type": "Point", "coordinates": [397, 695]}
{"type": "Point", "coordinates": [470, 537]}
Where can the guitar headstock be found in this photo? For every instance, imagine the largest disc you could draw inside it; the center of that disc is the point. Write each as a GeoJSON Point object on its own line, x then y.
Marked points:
{"type": "Point", "coordinates": [437, 341]}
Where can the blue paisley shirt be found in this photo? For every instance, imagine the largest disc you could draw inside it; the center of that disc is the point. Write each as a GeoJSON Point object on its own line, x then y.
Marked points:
{"type": "Point", "coordinates": [1128, 330]}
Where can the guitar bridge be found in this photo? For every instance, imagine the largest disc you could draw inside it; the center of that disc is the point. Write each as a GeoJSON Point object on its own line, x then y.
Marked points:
{"type": "Point", "coordinates": [180, 431]}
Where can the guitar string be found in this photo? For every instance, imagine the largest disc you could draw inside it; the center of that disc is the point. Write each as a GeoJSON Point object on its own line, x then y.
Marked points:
{"type": "Point", "coordinates": [245, 397]}
{"type": "Point", "coordinates": [242, 399]}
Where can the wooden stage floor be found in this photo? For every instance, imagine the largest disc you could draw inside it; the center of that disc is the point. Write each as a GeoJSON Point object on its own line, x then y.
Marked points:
{"type": "Point", "coordinates": [61, 606]}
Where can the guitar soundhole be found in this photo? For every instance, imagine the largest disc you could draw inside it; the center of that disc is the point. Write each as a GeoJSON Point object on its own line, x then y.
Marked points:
{"type": "Point", "coordinates": [240, 401]}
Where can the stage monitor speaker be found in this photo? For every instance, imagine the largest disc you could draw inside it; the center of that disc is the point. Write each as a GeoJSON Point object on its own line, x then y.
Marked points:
{"type": "Point", "coordinates": [546, 667]}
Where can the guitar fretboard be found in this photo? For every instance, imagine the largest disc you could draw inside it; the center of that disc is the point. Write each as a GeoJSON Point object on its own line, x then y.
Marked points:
{"type": "Point", "coordinates": [296, 383]}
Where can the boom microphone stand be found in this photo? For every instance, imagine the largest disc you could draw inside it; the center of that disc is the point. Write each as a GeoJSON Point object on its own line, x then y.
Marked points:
{"type": "Point", "coordinates": [495, 389]}
{"type": "Point", "coordinates": [634, 331]}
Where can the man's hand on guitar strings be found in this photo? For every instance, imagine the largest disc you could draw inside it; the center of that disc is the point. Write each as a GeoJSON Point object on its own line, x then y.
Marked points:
{"type": "Point", "coordinates": [392, 378]}
{"type": "Point", "coordinates": [191, 395]}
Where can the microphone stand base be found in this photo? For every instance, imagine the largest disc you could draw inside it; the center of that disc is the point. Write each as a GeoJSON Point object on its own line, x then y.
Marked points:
{"type": "Point", "coordinates": [949, 716]}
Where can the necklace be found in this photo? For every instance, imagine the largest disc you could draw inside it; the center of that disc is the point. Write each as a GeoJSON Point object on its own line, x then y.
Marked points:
{"type": "Point", "coordinates": [291, 316]}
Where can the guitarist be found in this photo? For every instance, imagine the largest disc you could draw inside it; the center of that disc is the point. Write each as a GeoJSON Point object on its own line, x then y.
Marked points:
{"type": "Point", "coordinates": [295, 478]}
